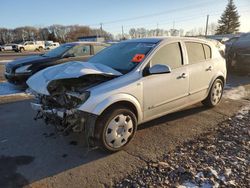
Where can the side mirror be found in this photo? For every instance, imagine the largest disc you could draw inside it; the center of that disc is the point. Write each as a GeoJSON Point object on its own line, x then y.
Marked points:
{"type": "Point", "coordinates": [159, 69]}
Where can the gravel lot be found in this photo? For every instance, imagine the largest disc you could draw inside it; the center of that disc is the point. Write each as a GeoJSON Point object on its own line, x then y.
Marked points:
{"type": "Point", "coordinates": [219, 158]}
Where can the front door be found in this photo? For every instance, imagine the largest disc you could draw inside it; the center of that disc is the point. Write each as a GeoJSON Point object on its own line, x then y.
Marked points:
{"type": "Point", "coordinates": [163, 93]}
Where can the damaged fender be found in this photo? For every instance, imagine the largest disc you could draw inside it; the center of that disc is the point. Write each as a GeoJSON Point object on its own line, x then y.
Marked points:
{"type": "Point", "coordinates": [111, 100]}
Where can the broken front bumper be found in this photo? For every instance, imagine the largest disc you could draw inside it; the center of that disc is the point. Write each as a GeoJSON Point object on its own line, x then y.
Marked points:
{"type": "Point", "coordinates": [68, 120]}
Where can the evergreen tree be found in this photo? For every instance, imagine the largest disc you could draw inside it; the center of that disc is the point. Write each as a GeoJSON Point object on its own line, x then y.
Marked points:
{"type": "Point", "coordinates": [229, 20]}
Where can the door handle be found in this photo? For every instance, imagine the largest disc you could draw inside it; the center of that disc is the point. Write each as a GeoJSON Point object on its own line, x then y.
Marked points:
{"type": "Point", "coordinates": [183, 75]}
{"type": "Point", "coordinates": [210, 68]}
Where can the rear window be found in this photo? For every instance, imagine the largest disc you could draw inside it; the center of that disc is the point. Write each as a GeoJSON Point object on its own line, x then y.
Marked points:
{"type": "Point", "coordinates": [195, 52]}
{"type": "Point", "coordinates": [207, 50]}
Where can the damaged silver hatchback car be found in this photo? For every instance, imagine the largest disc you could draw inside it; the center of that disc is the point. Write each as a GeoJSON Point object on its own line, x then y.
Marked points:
{"type": "Point", "coordinates": [128, 84]}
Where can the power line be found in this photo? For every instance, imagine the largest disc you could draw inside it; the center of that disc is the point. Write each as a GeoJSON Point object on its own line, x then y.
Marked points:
{"type": "Point", "coordinates": [176, 19]}
{"type": "Point", "coordinates": [194, 6]}
{"type": "Point", "coordinates": [186, 19]}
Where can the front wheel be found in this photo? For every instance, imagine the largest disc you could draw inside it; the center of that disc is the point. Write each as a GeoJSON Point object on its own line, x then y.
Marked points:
{"type": "Point", "coordinates": [116, 128]}
{"type": "Point", "coordinates": [215, 94]}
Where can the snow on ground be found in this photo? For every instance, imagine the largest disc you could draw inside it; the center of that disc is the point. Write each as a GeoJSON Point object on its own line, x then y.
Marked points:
{"type": "Point", "coordinates": [243, 111]}
{"type": "Point", "coordinates": [2, 62]}
{"type": "Point", "coordinates": [9, 89]}
{"type": "Point", "coordinates": [235, 93]}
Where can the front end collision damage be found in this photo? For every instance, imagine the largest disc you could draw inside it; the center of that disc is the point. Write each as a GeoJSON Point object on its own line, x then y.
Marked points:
{"type": "Point", "coordinates": [60, 90]}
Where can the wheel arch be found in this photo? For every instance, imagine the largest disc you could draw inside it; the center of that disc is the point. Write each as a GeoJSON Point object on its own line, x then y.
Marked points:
{"type": "Point", "coordinates": [125, 100]}
{"type": "Point", "coordinates": [220, 76]}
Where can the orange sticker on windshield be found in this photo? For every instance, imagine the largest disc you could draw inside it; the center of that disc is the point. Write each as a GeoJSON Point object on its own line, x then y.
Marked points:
{"type": "Point", "coordinates": [138, 58]}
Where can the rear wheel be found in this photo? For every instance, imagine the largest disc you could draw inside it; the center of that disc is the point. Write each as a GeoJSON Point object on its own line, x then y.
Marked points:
{"type": "Point", "coordinates": [116, 128]}
{"type": "Point", "coordinates": [215, 94]}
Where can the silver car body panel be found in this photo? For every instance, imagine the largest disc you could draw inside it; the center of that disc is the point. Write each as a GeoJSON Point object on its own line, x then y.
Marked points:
{"type": "Point", "coordinates": [145, 93]}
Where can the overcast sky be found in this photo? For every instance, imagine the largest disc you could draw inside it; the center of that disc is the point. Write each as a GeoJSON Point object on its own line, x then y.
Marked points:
{"type": "Point", "coordinates": [185, 14]}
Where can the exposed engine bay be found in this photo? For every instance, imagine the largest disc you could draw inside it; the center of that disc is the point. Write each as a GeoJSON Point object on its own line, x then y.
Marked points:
{"type": "Point", "coordinates": [60, 107]}
{"type": "Point", "coordinates": [60, 90]}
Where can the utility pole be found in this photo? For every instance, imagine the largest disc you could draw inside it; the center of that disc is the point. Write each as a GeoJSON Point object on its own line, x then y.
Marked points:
{"type": "Point", "coordinates": [101, 28]}
{"type": "Point", "coordinates": [157, 30]}
{"type": "Point", "coordinates": [173, 24]}
{"type": "Point", "coordinates": [207, 25]}
{"type": "Point", "coordinates": [122, 33]}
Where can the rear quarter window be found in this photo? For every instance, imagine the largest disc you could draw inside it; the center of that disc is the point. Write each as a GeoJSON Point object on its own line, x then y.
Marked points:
{"type": "Point", "coordinates": [195, 52]}
{"type": "Point", "coordinates": [208, 52]}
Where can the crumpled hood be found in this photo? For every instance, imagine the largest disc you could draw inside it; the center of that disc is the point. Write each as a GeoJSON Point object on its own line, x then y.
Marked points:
{"type": "Point", "coordinates": [40, 81]}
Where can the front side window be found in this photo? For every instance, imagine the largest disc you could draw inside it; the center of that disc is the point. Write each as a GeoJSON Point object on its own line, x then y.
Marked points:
{"type": "Point", "coordinates": [244, 37]}
{"type": "Point", "coordinates": [121, 56]}
{"type": "Point", "coordinates": [59, 50]}
{"type": "Point", "coordinates": [195, 52]}
{"type": "Point", "coordinates": [168, 55]}
{"type": "Point", "coordinates": [80, 50]}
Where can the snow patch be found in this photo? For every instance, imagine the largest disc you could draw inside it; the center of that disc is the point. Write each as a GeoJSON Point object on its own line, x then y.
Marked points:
{"type": "Point", "coordinates": [5, 61]}
{"type": "Point", "coordinates": [236, 93]}
{"type": "Point", "coordinates": [243, 111]}
{"type": "Point", "coordinates": [8, 89]}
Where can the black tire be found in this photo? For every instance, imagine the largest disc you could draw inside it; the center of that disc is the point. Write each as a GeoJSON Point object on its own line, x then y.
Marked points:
{"type": "Point", "coordinates": [210, 100]}
{"type": "Point", "coordinates": [40, 48]}
{"type": "Point", "coordinates": [102, 129]}
{"type": "Point", "coordinates": [21, 49]}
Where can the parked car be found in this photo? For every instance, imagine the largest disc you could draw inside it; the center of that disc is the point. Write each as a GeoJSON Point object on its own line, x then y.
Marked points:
{"type": "Point", "coordinates": [52, 45]}
{"type": "Point", "coordinates": [6, 47]}
{"type": "Point", "coordinates": [127, 84]}
{"type": "Point", "coordinates": [20, 70]}
{"type": "Point", "coordinates": [238, 55]}
{"type": "Point", "coordinates": [29, 46]}
{"type": "Point", "coordinates": [229, 43]}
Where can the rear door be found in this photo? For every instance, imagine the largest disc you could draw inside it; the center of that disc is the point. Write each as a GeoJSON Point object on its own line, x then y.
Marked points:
{"type": "Point", "coordinates": [200, 67]}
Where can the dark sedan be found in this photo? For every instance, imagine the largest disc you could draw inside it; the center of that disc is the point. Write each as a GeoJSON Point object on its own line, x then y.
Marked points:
{"type": "Point", "coordinates": [18, 71]}
{"type": "Point", "coordinates": [238, 54]}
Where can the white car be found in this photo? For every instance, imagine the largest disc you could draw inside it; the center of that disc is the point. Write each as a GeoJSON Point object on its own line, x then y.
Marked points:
{"type": "Point", "coordinates": [6, 47]}
{"type": "Point", "coordinates": [29, 46]}
{"type": "Point", "coordinates": [52, 46]}
{"type": "Point", "coordinates": [127, 84]}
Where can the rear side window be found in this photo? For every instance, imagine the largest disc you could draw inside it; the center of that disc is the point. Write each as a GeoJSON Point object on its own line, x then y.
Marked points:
{"type": "Point", "coordinates": [207, 50]}
{"type": "Point", "coordinates": [168, 55]}
{"type": "Point", "coordinates": [195, 52]}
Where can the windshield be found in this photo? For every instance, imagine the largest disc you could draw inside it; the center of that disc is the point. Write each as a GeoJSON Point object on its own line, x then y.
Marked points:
{"type": "Point", "coordinates": [58, 51]}
{"type": "Point", "coordinates": [121, 56]}
{"type": "Point", "coordinates": [244, 37]}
